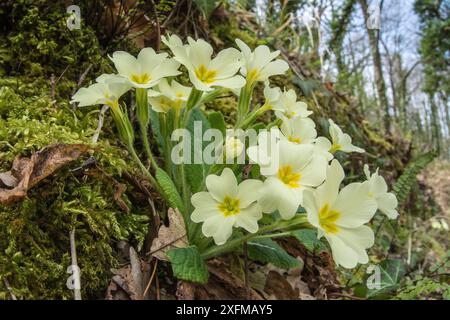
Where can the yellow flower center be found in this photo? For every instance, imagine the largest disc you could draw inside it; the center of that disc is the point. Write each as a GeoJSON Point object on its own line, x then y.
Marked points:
{"type": "Point", "coordinates": [252, 75]}
{"type": "Point", "coordinates": [165, 103]}
{"type": "Point", "coordinates": [294, 139]}
{"type": "Point", "coordinates": [141, 78]}
{"type": "Point", "coordinates": [328, 218]}
{"type": "Point", "coordinates": [205, 75]}
{"type": "Point", "coordinates": [289, 178]}
{"type": "Point", "coordinates": [229, 206]}
{"type": "Point", "coordinates": [335, 147]}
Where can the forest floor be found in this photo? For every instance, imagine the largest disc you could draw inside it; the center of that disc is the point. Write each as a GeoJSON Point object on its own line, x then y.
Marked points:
{"type": "Point", "coordinates": [437, 177]}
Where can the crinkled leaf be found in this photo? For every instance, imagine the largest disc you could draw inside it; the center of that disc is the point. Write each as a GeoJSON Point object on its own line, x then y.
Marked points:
{"type": "Point", "coordinates": [268, 251]}
{"type": "Point", "coordinates": [308, 238]}
{"type": "Point", "coordinates": [196, 173]}
{"type": "Point", "coordinates": [154, 122]}
{"type": "Point", "coordinates": [169, 189]}
{"type": "Point", "coordinates": [187, 264]}
{"type": "Point", "coordinates": [217, 122]}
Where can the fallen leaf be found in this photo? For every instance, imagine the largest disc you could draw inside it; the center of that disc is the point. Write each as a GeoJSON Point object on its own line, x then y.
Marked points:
{"type": "Point", "coordinates": [278, 287]}
{"type": "Point", "coordinates": [173, 236]}
{"type": "Point", "coordinates": [28, 172]}
{"type": "Point", "coordinates": [21, 169]}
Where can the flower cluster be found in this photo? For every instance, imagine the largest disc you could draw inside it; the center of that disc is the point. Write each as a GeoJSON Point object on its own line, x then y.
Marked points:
{"type": "Point", "coordinates": [298, 169]}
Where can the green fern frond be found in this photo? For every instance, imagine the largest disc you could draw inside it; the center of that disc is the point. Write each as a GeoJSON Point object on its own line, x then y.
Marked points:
{"type": "Point", "coordinates": [403, 185]}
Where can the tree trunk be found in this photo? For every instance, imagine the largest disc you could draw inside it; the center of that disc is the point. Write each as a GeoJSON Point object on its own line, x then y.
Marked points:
{"type": "Point", "coordinates": [378, 70]}
{"type": "Point", "coordinates": [435, 125]}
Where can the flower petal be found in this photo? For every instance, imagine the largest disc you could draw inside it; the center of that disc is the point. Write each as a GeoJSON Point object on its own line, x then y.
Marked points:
{"type": "Point", "coordinates": [219, 227]}
{"type": "Point", "coordinates": [248, 192]}
{"type": "Point", "coordinates": [275, 195]}
{"type": "Point", "coordinates": [274, 68]}
{"type": "Point", "coordinates": [248, 218]}
{"type": "Point", "coordinates": [315, 172]}
{"type": "Point", "coordinates": [223, 185]}
{"type": "Point", "coordinates": [125, 63]}
{"type": "Point", "coordinates": [352, 244]}
{"type": "Point", "coordinates": [355, 205]}
{"type": "Point", "coordinates": [387, 203]}
{"type": "Point", "coordinates": [235, 82]}
{"type": "Point", "coordinates": [328, 191]}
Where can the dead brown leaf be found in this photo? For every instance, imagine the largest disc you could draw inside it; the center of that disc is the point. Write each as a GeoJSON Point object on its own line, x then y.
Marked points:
{"type": "Point", "coordinates": [279, 288]}
{"type": "Point", "coordinates": [28, 172]}
{"type": "Point", "coordinates": [173, 236]}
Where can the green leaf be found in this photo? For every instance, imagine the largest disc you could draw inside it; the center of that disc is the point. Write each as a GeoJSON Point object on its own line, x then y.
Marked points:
{"type": "Point", "coordinates": [196, 173]}
{"type": "Point", "coordinates": [169, 189]}
{"type": "Point", "coordinates": [217, 122]}
{"type": "Point", "coordinates": [187, 264]}
{"type": "Point", "coordinates": [308, 237]}
{"type": "Point", "coordinates": [154, 123]}
{"type": "Point", "coordinates": [268, 251]}
{"type": "Point", "coordinates": [307, 86]}
{"type": "Point", "coordinates": [391, 272]}
{"type": "Point", "coordinates": [206, 6]}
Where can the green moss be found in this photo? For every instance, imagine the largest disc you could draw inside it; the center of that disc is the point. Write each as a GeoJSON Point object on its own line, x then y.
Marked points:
{"type": "Point", "coordinates": [34, 234]}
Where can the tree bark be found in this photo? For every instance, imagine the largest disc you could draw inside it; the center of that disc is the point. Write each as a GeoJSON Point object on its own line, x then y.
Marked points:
{"type": "Point", "coordinates": [378, 69]}
{"type": "Point", "coordinates": [435, 125]}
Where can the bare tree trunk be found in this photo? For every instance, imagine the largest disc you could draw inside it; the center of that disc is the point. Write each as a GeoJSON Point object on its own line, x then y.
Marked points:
{"type": "Point", "coordinates": [378, 70]}
{"type": "Point", "coordinates": [444, 98]}
{"type": "Point", "coordinates": [435, 125]}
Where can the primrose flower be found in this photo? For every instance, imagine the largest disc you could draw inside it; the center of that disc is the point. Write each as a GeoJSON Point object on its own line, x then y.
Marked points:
{"type": "Point", "coordinates": [226, 205]}
{"type": "Point", "coordinates": [299, 130]}
{"type": "Point", "coordinates": [341, 141]}
{"type": "Point", "coordinates": [287, 106]}
{"type": "Point", "coordinates": [386, 201]}
{"type": "Point", "coordinates": [259, 64]}
{"type": "Point", "coordinates": [322, 148]}
{"type": "Point", "coordinates": [168, 96]}
{"type": "Point", "coordinates": [206, 72]}
{"type": "Point", "coordinates": [108, 92]}
{"type": "Point", "coordinates": [100, 93]}
{"type": "Point", "coordinates": [172, 41]}
{"type": "Point", "coordinates": [271, 95]}
{"type": "Point", "coordinates": [147, 69]}
{"type": "Point", "coordinates": [292, 170]}
{"type": "Point", "coordinates": [340, 216]}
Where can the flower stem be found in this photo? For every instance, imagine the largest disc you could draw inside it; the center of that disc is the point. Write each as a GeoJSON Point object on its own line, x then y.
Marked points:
{"type": "Point", "coordinates": [300, 220]}
{"type": "Point", "coordinates": [143, 168]}
{"type": "Point", "coordinates": [244, 102]}
{"type": "Point", "coordinates": [253, 116]}
{"type": "Point", "coordinates": [146, 144]}
{"type": "Point", "coordinates": [143, 116]}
